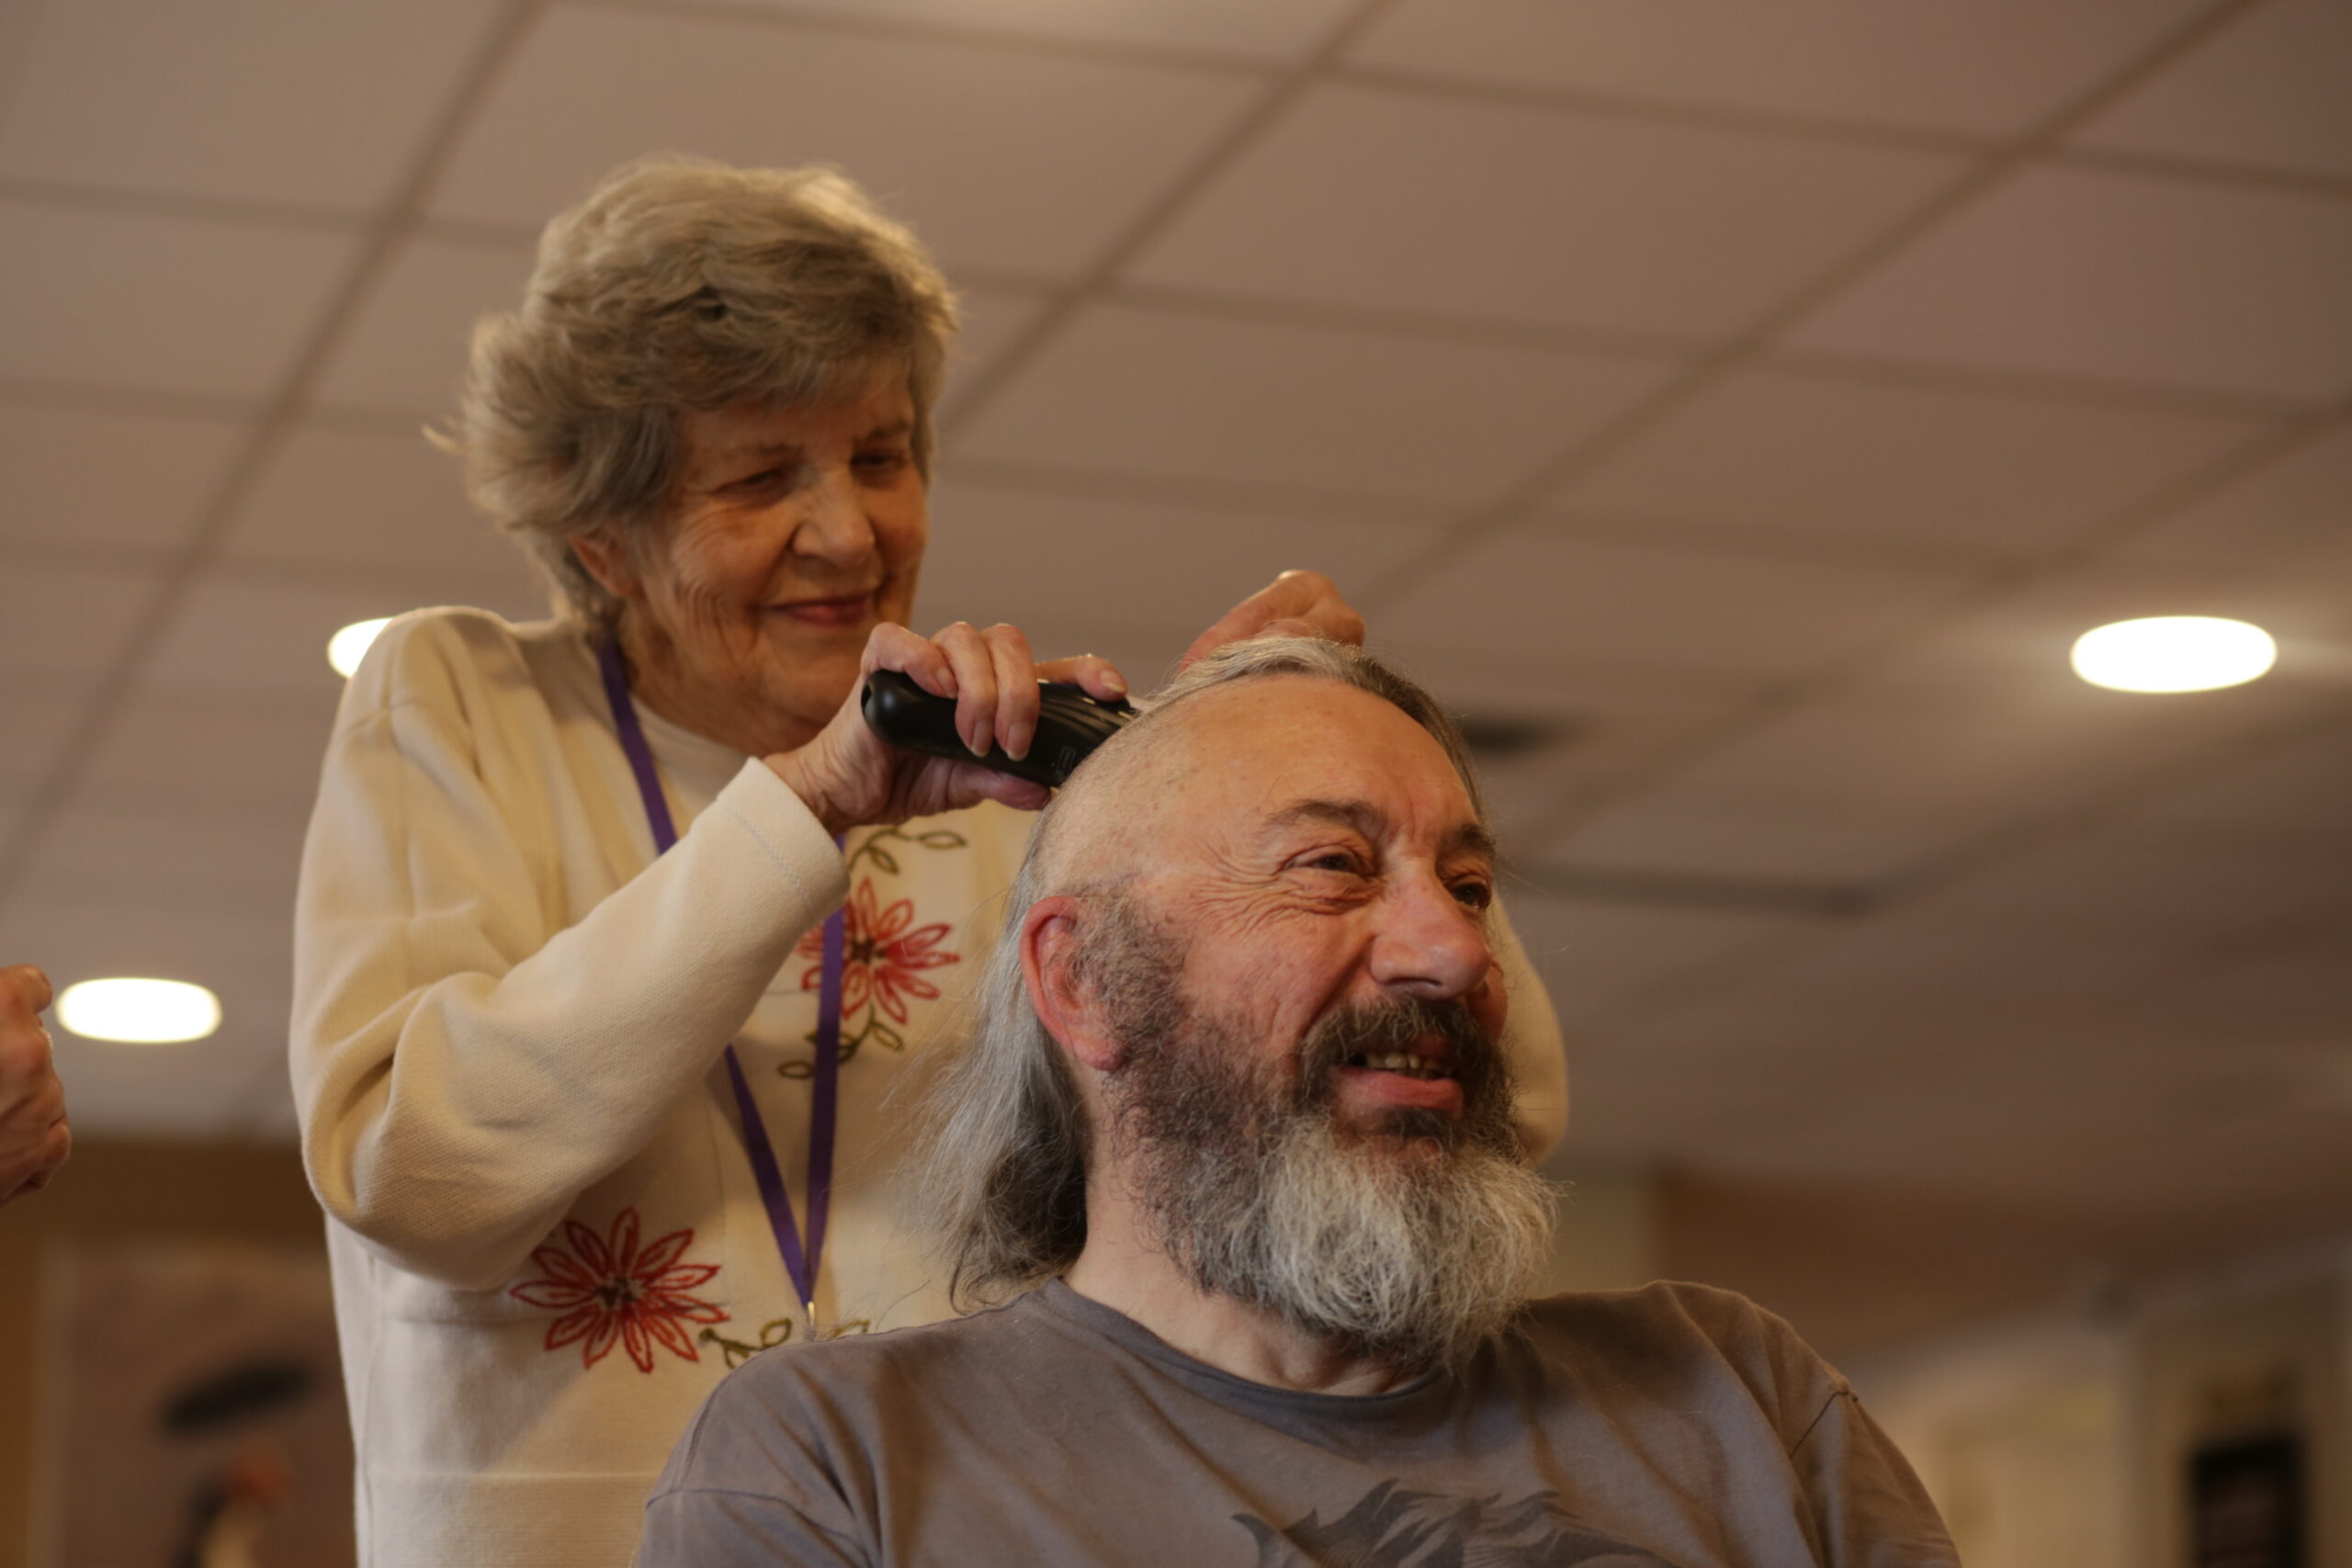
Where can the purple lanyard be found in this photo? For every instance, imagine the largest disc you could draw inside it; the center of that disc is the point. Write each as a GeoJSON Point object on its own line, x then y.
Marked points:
{"type": "Point", "coordinates": [824, 1097]}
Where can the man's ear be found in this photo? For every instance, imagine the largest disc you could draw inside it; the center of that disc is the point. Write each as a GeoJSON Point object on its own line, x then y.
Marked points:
{"type": "Point", "coordinates": [606, 559]}
{"type": "Point", "coordinates": [1051, 934]}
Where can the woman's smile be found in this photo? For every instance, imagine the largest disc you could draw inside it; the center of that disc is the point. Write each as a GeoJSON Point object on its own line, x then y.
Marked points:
{"type": "Point", "coordinates": [854, 611]}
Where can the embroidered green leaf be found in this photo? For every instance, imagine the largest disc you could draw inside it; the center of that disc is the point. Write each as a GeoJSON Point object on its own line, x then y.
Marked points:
{"type": "Point", "coordinates": [941, 839]}
{"type": "Point", "coordinates": [884, 858]}
{"type": "Point", "coordinates": [738, 1351]}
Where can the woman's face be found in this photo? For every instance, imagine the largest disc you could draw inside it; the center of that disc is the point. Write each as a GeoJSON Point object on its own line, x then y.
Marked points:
{"type": "Point", "coordinates": [792, 532]}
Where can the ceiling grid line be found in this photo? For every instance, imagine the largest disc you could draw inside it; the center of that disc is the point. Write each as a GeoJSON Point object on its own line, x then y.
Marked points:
{"type": "Point", "coordinates": [770, 13]}
{"type": "Point", "coordinates": [1407, 83]}
{"type": "Point", "coordinates": [113, 686]}
{"type": "Point", "coordinates": [177, 204]}
{"type": "Point", "coordinates": [1716, 981]}
{"type": "Point", "coordinates": [1997, 581]}
{"type": "Point", "coordinates": [1970, 185]}
{"type": "Point", "coordinates": [1285, 92]}
{"type": "Point", "coordinates": [2204, 171]}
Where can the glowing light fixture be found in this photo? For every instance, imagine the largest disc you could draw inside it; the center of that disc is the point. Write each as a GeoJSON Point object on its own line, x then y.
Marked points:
{"type": "Point", "coordinates": [2173, 653]}
{"type": "Point", "coordinates": [145, 1012]}
{"type": "Point", "coordinates": [349, 645]}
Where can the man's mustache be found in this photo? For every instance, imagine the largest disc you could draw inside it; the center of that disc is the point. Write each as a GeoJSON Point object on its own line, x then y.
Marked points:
{"type": "Point", "coordinates": [1376, 1027]}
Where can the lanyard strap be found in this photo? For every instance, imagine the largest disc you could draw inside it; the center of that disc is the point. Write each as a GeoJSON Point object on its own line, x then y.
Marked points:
{"type": "Point", "coordinates": [824, 1096]}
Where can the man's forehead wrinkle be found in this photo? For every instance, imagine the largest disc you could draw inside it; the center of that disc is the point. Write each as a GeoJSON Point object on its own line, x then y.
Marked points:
{"type": "Point", "coordinates": [1470, 838]}
{"type": "Point", "coordinates": [1361, 815]}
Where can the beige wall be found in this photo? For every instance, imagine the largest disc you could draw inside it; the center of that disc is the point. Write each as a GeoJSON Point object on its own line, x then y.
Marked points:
{"type": "Point", "coordinates": [120, 1191]}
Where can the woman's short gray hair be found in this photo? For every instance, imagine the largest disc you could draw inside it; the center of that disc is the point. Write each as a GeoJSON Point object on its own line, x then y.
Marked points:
{"type": "Point", "coordinates": [683, 283]}
{"type": "Point", "coordinates": [1005, 1173]}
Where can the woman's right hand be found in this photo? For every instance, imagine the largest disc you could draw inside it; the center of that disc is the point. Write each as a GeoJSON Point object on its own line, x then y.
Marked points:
{"type": "Point", "coordinates": [849, 778]}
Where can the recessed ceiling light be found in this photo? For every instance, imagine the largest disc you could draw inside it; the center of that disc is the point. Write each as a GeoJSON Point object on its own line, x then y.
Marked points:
{"type": "Point", "coordinates": [349, 645]}
{"type": "Point", "coordinates": [145, 1012]}
{"type": "Point", "coordinates": [2173, 653]}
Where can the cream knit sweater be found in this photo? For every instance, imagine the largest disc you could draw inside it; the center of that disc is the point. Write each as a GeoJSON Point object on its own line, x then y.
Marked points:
{"type": "Point", "coordinates": [507, 1026]}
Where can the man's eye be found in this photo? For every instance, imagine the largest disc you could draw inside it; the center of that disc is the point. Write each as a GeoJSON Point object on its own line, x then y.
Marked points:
{"type": "Point", "coordinates": [763, 479]}
{"type": "Point", "coordinates": [883, 463]}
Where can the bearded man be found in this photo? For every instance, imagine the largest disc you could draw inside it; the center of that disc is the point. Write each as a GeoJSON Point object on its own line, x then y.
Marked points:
{"type": "Point", "coordinates": [1236, 1138]}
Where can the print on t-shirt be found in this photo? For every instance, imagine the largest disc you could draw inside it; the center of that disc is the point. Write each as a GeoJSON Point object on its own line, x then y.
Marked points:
{"type": "Point", "coordinates": [1392, 1528]}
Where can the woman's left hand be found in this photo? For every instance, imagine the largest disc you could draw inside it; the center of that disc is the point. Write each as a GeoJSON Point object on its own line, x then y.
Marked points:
{"type": "Point", "coordinates": [1296, 603]}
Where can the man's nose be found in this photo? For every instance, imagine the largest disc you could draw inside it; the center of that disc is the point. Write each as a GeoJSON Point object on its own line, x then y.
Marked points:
{"type": "Point", "coordinates": [1430, 942]}
{"type": "Point", "coordinates": [835, 526]}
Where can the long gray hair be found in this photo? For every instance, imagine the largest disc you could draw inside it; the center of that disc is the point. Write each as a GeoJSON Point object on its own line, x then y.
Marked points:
{"type": "Point", "coordinates": [682, 283]}
{"type": "Point", "coordinates": [1004, 1178]}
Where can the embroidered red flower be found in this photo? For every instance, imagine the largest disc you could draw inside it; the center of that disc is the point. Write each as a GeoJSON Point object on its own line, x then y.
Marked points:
{"type": "Point", "coordinates": [882, 957]}
{"type": "Point", "coordinates": [610, 1293]}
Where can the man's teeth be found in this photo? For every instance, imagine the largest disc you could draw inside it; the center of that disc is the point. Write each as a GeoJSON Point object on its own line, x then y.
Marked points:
{"type": "Point", "coordinates": [1400, 1062]}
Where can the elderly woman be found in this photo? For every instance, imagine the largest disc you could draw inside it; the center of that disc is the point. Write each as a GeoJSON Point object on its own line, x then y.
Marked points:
{"type": "Point", "coordinates": [615, 931]}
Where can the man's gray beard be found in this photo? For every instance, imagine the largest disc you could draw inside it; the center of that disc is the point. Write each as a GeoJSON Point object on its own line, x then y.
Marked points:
{"type": "Point", "coordinates": [1255, 1189]}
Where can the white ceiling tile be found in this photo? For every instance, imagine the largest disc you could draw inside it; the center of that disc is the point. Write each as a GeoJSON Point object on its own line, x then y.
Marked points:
{"type": "Point", "coordinates": [2083, 921]}
{"type": "Point", "coordinates": [1382, 199]}
{"type": "Point", "coordinates": [1004, 554]}
{"type": "Point", "coordinates": [80, 476]}
{"type": "Point", "coordinates": [234, 637]}
{"type": "Point", "coordinates": [1589, 728]}
{"type": "Point", "coordinates": [175, 304]}
{"type": "Point", "coordinates": [2016, 647]}
{"type": "Point", "coordinates": [405, 347]}
{"type": "Point", "coordinates": [2068, 272]}
{"type": "Point", "coordinates": [1824, 457]}
{"type": "Point", "coordinates": [2269, 90]}
{"type": "Point", "coordinates": [2296, 509]}
{"type": "Point", "coordinates": [1596, 739]}
{"type": "Point", "coordinates": [1579, 604]}
{"type": "Point", "coordinates": [1961, 767]}
{"type": "Point", "coordinates": [931, 128]}
{"type": "Point", "coordinates": [191, 1091]}
{"type": "Point", "coordinates": [164, 935]}
{"type": "Point", "coordinates": [171, 932]}
{"type": "Point", "coordinates": [2289, 799]}
{"type": "Point", "coordinates": [265, 100]}
{"type": "Point", "coordinates": [60, 626]}
{"type": "Point", "coordinates": [993, 319]}
{"type": "Point", "coordinates": [1812, 847]}
{"type": "Point", "coordinates": [375, 498]}
{"type": "Point", "coordinates": [227, 760]}
{"type": "Point", "coordinates": [1269, 29]}
{"type": "Point", "coordinates": [1172, 396]}
{"type": "Point", "coordinates": [255, 757]}
{"type": "Point", "coordinates": [37, 725]}
{"type": "Point", "coordinates": [1597, 958]}
{"type": "Point", "coordinates": [1954, 65]}
{"type": "Point", "coordinates": [229, 868]}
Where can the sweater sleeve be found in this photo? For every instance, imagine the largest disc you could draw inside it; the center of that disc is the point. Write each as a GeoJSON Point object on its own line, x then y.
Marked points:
{"type": "Point", "coordinates": [1539, 1058]}
{"type": "Point", "coordinates": [463, 1065]}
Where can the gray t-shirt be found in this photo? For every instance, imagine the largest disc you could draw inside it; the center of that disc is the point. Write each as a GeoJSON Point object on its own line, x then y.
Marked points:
{"type": "Point", "coordinates": [1674, 1425]}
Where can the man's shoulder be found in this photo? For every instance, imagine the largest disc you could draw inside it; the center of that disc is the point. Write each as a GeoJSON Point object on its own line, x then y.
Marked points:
{"type": "Point", "coordinates": [1672, 1306]}
{"type": "Point", "coordinates": [1676, 1335]}
{"type": "Point", "coordinates": [848, 1371]}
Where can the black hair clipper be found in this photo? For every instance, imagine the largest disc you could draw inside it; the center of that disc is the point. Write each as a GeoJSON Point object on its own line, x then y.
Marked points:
{"type": "Point", "coordinates": [1070, 725]}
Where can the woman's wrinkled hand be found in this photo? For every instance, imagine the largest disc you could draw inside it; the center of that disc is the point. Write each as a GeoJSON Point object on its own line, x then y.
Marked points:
{"type": "Point", "coordinates": [34, 1137]}
{"type": "Point", "coordinates": [849, 778]}
{"type": "Point", "coordinates": [1296, 603]}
